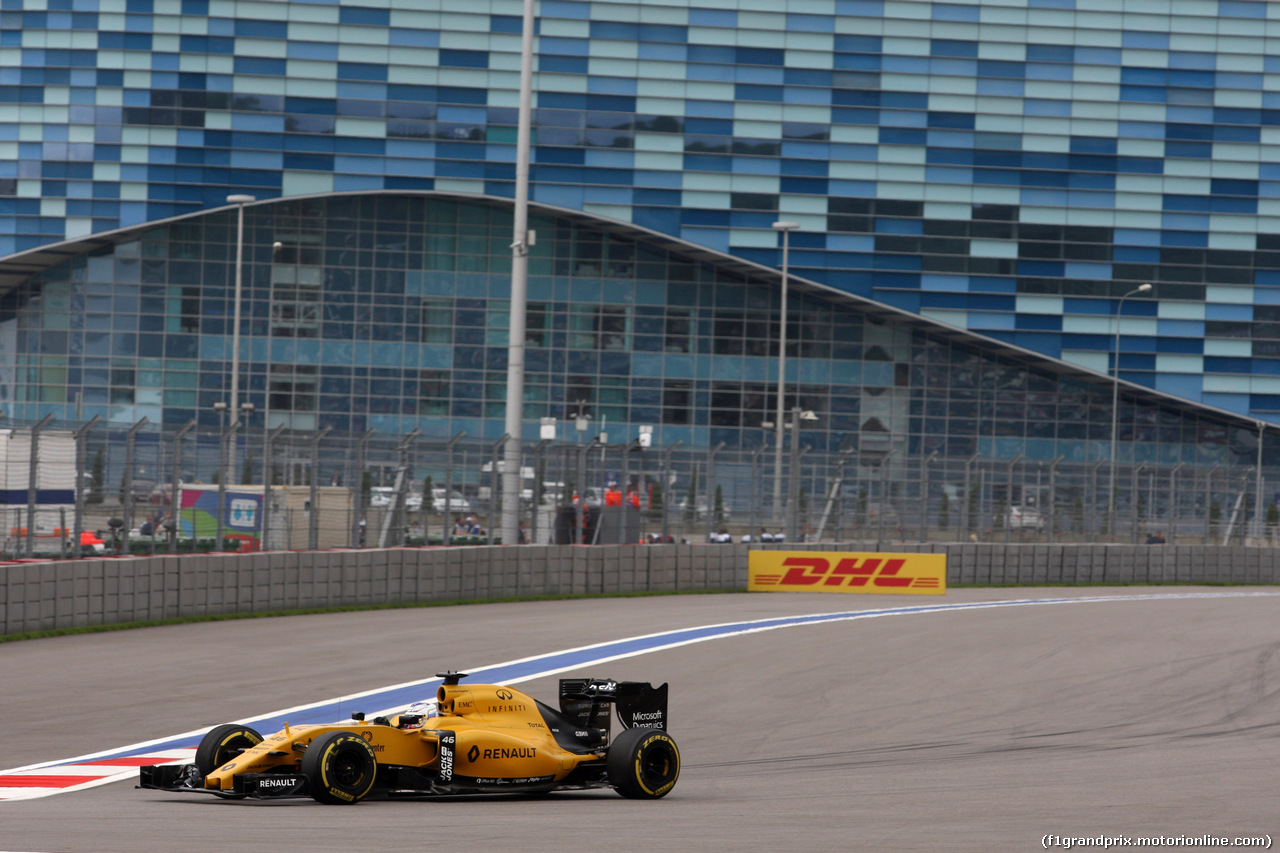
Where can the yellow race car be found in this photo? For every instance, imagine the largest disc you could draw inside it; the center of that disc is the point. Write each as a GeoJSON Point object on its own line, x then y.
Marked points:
{"type": "Point", "coordinates": [474, 738]}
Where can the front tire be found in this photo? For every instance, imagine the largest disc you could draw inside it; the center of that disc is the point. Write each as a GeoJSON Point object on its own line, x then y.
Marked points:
{"type": "Point", "coordinates": [643, 763]}
{"type": "Point", "coordinates": [222, 744]}
{"type": "Point", "coordinates": [340, 768]}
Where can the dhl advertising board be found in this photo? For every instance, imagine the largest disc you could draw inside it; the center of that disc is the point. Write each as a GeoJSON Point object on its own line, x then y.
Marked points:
{"type": "Point", "coordinates": [821, 571]}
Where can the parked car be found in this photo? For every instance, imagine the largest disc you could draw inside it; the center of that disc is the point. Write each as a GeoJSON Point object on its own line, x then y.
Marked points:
{"type": "Point", "coordinates": [1024, 518]}
{"type": "Point", "coordinates": [142, 489]}
{"type": "Point", "coordinates": [383, 496]}
{"type": "Point", "coordinates": [457, 502]}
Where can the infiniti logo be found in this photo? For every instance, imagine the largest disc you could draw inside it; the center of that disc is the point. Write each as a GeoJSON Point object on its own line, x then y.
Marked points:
{"type": "Point", "coordinates": [505, 694]}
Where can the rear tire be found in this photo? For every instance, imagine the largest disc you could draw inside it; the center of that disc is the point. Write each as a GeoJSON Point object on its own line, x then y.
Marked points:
{"type": "Point", "coordinates": [643, 763]}
{"type": "Point", "coordinates": [340, 768]}
{"type": "Point", "coordinates": [222, 744]}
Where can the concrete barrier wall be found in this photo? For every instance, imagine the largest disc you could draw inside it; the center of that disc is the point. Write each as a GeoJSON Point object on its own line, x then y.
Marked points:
{"type": "Point", "coordinates": [51, 595]}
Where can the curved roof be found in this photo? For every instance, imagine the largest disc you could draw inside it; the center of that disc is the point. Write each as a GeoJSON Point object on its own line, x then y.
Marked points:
{"type": "Point", "coordinates": [18, 267]}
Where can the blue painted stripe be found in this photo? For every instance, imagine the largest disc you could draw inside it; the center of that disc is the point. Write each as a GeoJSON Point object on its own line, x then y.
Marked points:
{"type": "Point", "coordinates": [510, 672]}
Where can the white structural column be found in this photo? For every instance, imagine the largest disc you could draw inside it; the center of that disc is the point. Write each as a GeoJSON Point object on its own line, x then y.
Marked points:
{"type": "Point", "coordinates": [786, 228]}
{"type": "Point", "coordinates": [1115, 406]}
{"type": "Point", "coordinates": [519, 296]}
{"type": "Point", "coordinates": [239, 201]}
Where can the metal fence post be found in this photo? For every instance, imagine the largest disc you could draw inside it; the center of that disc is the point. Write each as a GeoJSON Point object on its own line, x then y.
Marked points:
{"type": "Point", "coordinates": [264, 535]}
{"type": "Point", "coordinates": [666, 487]}
{"type": "Point", "coordinates": [1053, 496]}
{"type": "Point", "coordinates": [359, 532]}
{"type": "Point", "coordinates": [81, 435]}
{"type": "Point", "coordinates": [33, 474]}
{"type": "Point", "coordinates": [1008, 497]}
{"type": "Point", "coordinates": [793, 479]}
{"type": "Point", "coordinates": [448, 487]}
{"type": "Point", "coordinates": [884, 503]}
{"type": "Point", "coordinates": [1173, 503]}
{"type": "Point", "coordinates": [175, 486]}
{"type": "Point", "coordinates": [580, 503]}
{"type": "Point", "coordinates": [495, 495]}
{"type": "Point", "coordinates": [313, 523]}
{"type": "Point", "coordinates": [127, 497]}
{"type": "Point", "coordinates": [966, 522]}
{"type": "Point", "coordinates": [711, 466]}
{"type": "Point", "coordinates": [752, 535]}
{"type": "Point", "coordinates": [1133, 499]}
{"type": "Point", "coordinates": [924, 494]}
{"type": "Point", "coordinates": [539, 492]}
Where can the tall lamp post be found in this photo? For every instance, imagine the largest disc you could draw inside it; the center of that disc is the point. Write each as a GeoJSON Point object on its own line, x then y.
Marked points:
{"type": "Point", "coordinates": [523, 239]}
{"type": "Point", "coordinates": [1115, 407]}
{"type": "Point", "coordinates": [785, 227]}
{"type": "Point", "coordinates": [239, 201]}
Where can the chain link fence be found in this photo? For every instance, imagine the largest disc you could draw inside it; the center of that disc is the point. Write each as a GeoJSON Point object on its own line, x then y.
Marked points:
{"type": "Point", "coordinates": [111, 489]}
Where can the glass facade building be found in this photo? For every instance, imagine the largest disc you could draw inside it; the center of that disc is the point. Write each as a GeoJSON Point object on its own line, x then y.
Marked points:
{"type": "Point", "coordinates": [977, 184]}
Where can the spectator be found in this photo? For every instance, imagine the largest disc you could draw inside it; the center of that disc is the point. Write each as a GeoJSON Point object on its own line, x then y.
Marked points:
{"type": "Point", "coordinates": [633, 497]}
{"type": "Point", "coordinates": [363, 529]}
{"type": "Point", "coordinates": [147, 528]}
{"type": "Point", "coordinates": [1156, 538]}
{"type": "Point", "coordinates": [524, 532]}
{"type": "Point", "coordinates": [460, 527]}
{"type": "Point", "coordinates": [612, 497]}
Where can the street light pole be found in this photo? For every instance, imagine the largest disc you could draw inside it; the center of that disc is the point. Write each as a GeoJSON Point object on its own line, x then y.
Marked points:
{"type": "Point", "coordinates": [785, 227]}
{"type": "Point", "coordinates": [240, 201]}
{"type": "Point", "coordinates": [514, 418]}
{"type": "Point", "coordinates": [1115, 406]}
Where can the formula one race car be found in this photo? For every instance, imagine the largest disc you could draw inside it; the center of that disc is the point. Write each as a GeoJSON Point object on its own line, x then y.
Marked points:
{"type": "Point", "coordinates": [474, 738]}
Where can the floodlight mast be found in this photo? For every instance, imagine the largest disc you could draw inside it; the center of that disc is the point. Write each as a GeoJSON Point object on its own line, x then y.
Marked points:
{"type": "Point", "coordinates": [514, 449]}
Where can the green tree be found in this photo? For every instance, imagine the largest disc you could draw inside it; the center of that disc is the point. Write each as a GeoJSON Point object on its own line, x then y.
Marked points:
{"type": "Point", "coordinates": [655, 501]}
{"type": "Point", "coordinates": [1273, 518]}
{"type": "Point", "coordinates": [429, 495]}
{"type": "Point", "coordinates": [719, 505]}
{"type": "Point", "coordinates": [1077, 515]}
{"type": "Point", "coordinates": [860, 510]}
{"type": "Point", "coordinates": [944, 512]}
{"type": "Point", "coordinates": [997, 521]}
{"type": "Point", "coordinates": [246, 473]}
{"type": "Point", "coordinates": [1215, 515]}
{"type": "Point", "coordinates": [366, 487]}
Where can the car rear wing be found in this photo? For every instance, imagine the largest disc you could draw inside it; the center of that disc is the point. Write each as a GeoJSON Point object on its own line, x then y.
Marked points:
{"type": "Point", "coordinates": [638, 703]}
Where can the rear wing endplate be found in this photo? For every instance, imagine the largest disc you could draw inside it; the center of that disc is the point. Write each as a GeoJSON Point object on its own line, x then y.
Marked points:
{"type": "Point", "coordinates": [638, 703]}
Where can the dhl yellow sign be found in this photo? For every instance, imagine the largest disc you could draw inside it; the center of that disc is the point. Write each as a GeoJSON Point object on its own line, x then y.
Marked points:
{"type": "Point", "coordinates": [816, 571]}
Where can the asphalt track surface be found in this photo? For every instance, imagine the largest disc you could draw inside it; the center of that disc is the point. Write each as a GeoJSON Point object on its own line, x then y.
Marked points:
{"type": "Point", "coordinates": [980, 729]}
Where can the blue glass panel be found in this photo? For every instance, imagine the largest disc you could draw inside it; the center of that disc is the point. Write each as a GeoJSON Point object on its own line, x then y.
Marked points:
{"type": "Point", "coordinates": [753, 92]}
{"type": "Point", "coordinates": [953, 47]}
{"type": "Point", "coordinates": [364, 15]}
{"type": "Point", "coordinates": [759, 56]}
{"type": "Point", "coordinates": [261, 29]}
{"type": "Point", "coordinates": [1242, 8]}
{"type": "Point", "coordinates": [566, 9]}
{"type": "Point", "coordinates": [358, 71]}
{"type": "Point", "coordinates": [713, 17]}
